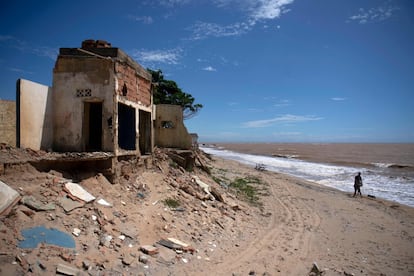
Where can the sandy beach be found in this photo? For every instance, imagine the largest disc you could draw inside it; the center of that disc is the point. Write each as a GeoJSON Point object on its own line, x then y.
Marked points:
{"type": "Point", "coordinates": [307, 223]}
{"type": "Point", "coordinates": [291, 225]}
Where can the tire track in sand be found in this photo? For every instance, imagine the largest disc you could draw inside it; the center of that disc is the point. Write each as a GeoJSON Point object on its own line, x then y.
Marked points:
{"type": "Point", "coordinates": [286, 235]}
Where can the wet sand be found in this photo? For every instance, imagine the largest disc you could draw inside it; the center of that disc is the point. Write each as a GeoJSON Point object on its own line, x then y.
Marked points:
{"type": "Point", "coordinates": [306, 222]}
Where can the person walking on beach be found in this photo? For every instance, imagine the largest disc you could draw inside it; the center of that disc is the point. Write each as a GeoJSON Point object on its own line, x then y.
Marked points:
{"type": "Point", "coordinates": [358, 184]}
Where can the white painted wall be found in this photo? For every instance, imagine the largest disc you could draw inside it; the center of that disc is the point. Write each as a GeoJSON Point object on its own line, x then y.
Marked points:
{"type": "Point", "coordinates": [69, 109]}
{"type": "Point", "coordinates": [35, 115]}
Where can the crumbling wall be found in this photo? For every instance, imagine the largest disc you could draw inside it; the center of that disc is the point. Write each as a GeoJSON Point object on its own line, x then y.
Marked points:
{"type": "Point", "coordinates": [8, 122]}
{"type": "Point", "coordinates": [132, 86]}
{"type": "Point", "coordinates": [170, 131]}
{"type": "Point", "coordinates": [34, 116]}
{"type": "Point", "coordinates": [76, 82]}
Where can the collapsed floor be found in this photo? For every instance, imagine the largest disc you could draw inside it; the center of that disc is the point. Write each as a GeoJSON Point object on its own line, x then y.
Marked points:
{"type": "Point", "coordinates": [159, 219]}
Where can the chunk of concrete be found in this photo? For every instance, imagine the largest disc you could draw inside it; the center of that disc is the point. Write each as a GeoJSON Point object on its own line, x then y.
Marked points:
{"type": "Point", "coordinates": [149, 249]}
{"type": "Point", "coordinates": [69, 204]}
{"type": "Point", "coordinates": [67, 270]}
{"type": "Point", "coordinates": [8, 198]}
{"type": "Point", "coordinates": [36, 205]}
{"type": "Point", "coordinates": [79, 192]}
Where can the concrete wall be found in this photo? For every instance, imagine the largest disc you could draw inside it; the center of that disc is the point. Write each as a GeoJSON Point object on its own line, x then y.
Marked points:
{"type": "Point", "coordinates": [8, 122]}
{"type": "Point", "coordinates": [77, 81]}
{"type": "Point", "coordinates": [170, 131]}
{"type": "Point", "coordinates": [34, 117]}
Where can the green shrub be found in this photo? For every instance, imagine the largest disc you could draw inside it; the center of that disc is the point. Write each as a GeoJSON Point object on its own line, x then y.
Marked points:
{"type": "Point", "coordinates": [171, 203]}
{"type": "Point", "coordinates": [246, 191]}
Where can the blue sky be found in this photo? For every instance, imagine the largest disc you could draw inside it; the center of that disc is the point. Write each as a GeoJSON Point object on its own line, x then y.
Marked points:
{"type": "Point", "coordinates": [265, 70]}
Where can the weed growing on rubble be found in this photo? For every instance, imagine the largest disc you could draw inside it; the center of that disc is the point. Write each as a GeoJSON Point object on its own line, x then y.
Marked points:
{"type": "Point", "coordinates": [171, 203]}
{"type": "Point", "coordinates": [246, 191]}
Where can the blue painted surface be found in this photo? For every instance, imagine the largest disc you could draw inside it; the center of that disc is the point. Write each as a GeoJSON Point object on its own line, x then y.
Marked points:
{"type": "Point", "coordinates": [40, 234]}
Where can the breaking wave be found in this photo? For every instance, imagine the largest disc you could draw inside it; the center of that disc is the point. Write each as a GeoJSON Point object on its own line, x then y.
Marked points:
{"type": "Point", "coordinates": [378, 181]}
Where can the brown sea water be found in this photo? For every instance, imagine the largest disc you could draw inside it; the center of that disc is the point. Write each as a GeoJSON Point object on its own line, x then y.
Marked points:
{"type": "Point", "coordinates": [387, 169]}
{"type": "Point", "coordinates": [387, 155]}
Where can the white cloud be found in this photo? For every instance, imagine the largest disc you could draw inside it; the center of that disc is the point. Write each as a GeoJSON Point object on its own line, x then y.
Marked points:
{"type": "Point", "coordinates": [288, 118]}
{"type": "Point", "coordinates": [268, 9]}
{"type": "Point", "coordinates": [170, 3]}
{"type": "Point", "coordinates": [338, 99]}
{"type": "Point", "coordinates": [144, 19]}
{"type": "Point", "coordinates": [210, 69]}
{"type": "Point", "coordinates": [282, 103]}
{"type": "Point", "coordinates": [202, 30]}
{"type": "Point", "coordinates": [170, 56]}
{"type": "Point", "coordinates": [255, 11]}
{"type": "Point", "coordinates": [371, 15]}
{"type": "Point", "coordinates": [29, 48]}
{"type": "Point", "coordinates": [21, 71]}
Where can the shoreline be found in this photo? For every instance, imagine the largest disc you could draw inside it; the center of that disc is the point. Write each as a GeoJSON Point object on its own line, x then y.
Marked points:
{"type": "Point", "coordinates": [313, 223]}
{"type": "Point", "coordinates": [290, 225]}
{"type": "Point", "coordinates": [394, 184]}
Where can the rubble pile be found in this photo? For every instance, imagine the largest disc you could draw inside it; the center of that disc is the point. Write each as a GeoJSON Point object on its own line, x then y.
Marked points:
{"type": "Point", "coordinates": [157, 219]}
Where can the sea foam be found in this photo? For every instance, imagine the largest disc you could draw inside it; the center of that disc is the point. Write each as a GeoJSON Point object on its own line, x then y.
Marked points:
{"type": "Point", "coordinates": [377, 181]}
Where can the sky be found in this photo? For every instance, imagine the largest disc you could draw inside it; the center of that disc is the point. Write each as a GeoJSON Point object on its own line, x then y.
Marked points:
{"type": "Point", "coordinates": [264, 70]}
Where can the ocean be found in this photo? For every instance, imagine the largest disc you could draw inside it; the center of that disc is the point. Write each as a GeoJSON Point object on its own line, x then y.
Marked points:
{"type": "Point", "coordinates": [387, 169]}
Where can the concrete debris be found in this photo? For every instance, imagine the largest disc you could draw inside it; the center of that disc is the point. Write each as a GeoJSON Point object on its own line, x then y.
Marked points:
{"type": "Point", "coordinates": [34, 204]}
{"type": "Point", "coordinates": [76, 232]}
{"type": "Point", "coordinates": [79, 192]}
{"type": "Point", "coordinates": [143, 259]}
{"type": "Point", "coordinates": [204, 186]}
{"type": "Point", "coordinates": [68, 204]}
{"type": "Point", "coordinates": [128, 259]}
{"type": "Point", "coordinates": [103, 202]}
{"type": "Point", "coordinates": [149, 249]}
{"type": "Point", "coordinates": [8, 198]}
{"type": "Point", "coordinates": [315, 271]}
{"type": "Point", "coordinates": [68, 270]}
{"type": "Point", "coordinates": [102, 240]}
{"type": "Point", "coordinates": [105, 240]}
{"type": "Point", "coordinates": [176, 245]}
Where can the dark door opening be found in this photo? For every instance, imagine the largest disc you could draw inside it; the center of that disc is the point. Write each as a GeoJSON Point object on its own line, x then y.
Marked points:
{"type": "Point", "coordinates": [144, 132]}
{"type": "Point", "coordinates": [93, 126]}
{"type": "Point", "coordinates": [126, 127]}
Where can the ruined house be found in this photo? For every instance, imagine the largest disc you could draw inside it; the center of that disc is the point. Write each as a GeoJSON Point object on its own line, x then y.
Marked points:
{"type": "Point", "coordinates": [102, 101]}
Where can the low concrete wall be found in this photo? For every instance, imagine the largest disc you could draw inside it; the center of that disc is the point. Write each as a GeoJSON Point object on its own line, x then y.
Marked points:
{"type": "Point", "coordinates": [8, 122]}
{"type": "Point", "coordinates": [34, 116]}
{"type": "Point", "coordinates": [170, 131]}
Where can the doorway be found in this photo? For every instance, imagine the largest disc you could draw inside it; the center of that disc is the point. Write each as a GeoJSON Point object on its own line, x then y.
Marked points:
{"type": "Point", "coordinates": [92, 126]}
{"type": "Point", "coordinates": [145, 132]}
{"type": "Point", "coordinates": [126, 127]}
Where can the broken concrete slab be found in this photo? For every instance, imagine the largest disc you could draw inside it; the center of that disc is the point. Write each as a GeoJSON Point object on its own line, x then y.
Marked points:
{"type": "Point", "coordinates": [103, 202]}
{"type": "Point", "coordinates": [175, 244]}
{"type": "Point", "coordinates": [149, 249]}
{"type": "Point", "coordinates": [8, 198]}
{"type": "Point", "coordinates": [68, 204]}
{"type": "Point", "coordinates": [33, 203]}
{"type": "Point", "coordinates": [68, 270]}
{"type": "Point", "coordinates": [204, 186]}
{"type": "Point", "coordinates": [79, 192]}
{"type": "Point", "coordinates": [169, 244]}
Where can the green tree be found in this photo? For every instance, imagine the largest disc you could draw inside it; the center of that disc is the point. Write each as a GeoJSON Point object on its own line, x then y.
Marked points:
{"type": "Point", "coordinates": [168, 92]}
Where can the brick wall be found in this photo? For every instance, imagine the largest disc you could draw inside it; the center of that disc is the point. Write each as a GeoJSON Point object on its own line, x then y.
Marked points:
{"type": "Point", "coordinates": [132, 86]}
{"type": "Point", "coordinates": [8, 122]}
